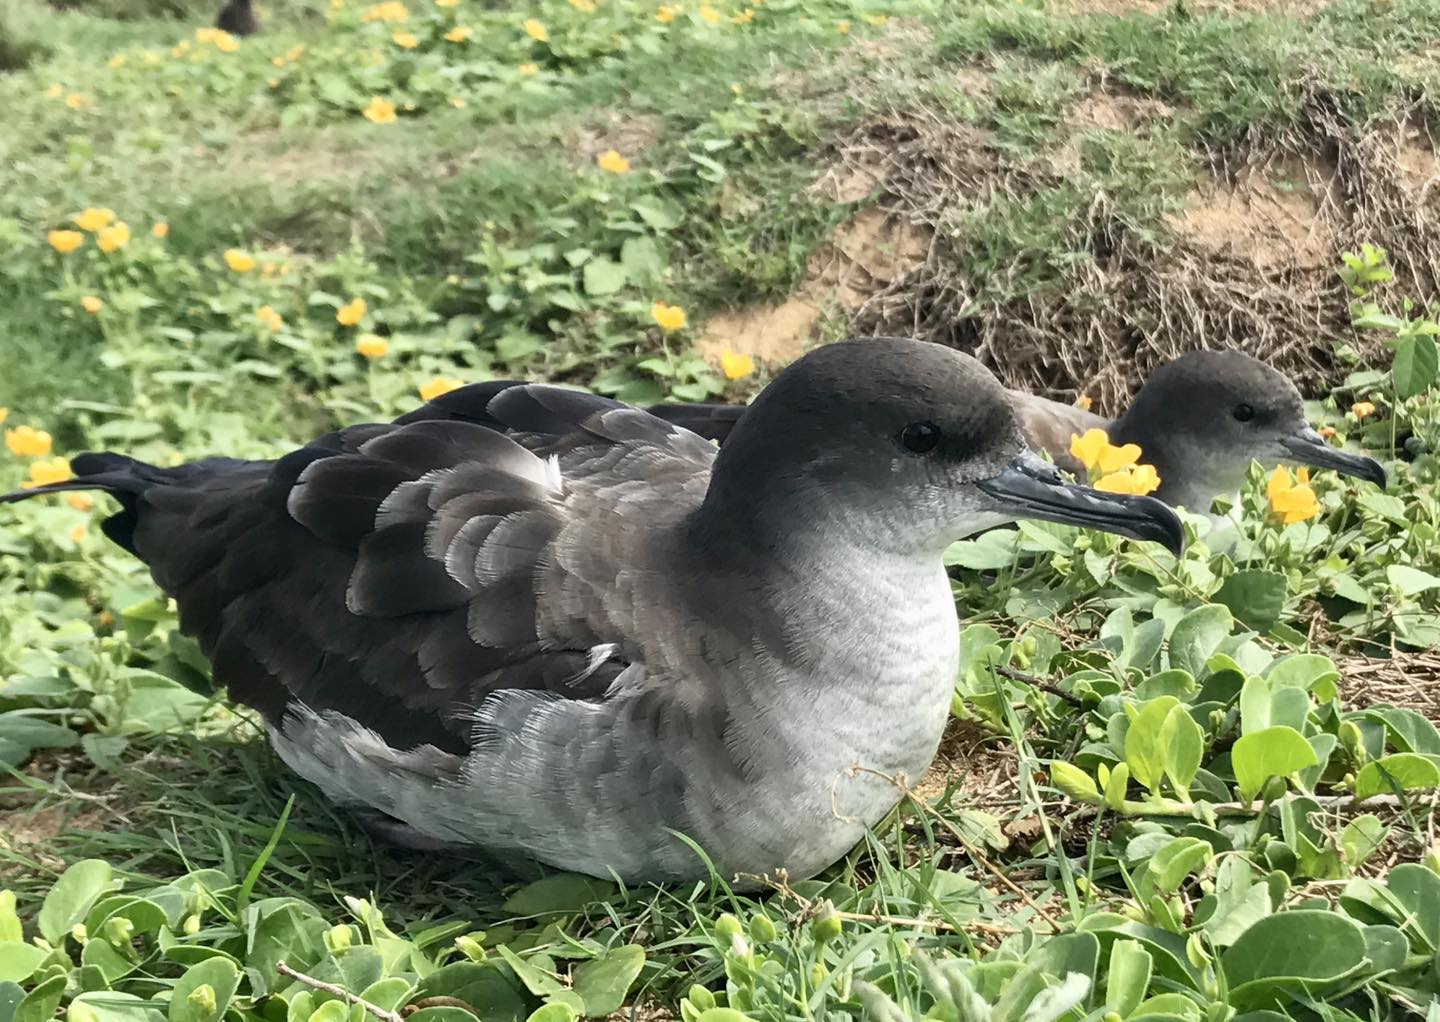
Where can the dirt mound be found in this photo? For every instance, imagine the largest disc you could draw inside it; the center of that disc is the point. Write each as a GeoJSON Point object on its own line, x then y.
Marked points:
{"type": "Point", "coordinates": [1248, 261]}
{"type": "Point", "coordinates": [868, 253]}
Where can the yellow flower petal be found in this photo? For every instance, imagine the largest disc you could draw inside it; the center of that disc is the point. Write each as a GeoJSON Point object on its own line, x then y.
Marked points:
{"type": "Point", "coordinates": [65, 241]}
{"type": "Point", "coordinates": [536, 30]}
{"type": "Point", "coordinates": [405, 40]}
{"type": "Point", "coordinates": [92, 305]}
{"type": "Point", "coordinates": [668, 317]}
{"type": "Point", "coordinates": [380, 111]}
{"type": "Point", "coordinates": [240, 262]}
{"type": "Point", "coordinates": [439, 385]}
{"type": "Point", "coordinates": [351, 313]}
{"type": "Point", "coordinates": [459, 34]}
{"type": "Point", "coordinates": [114, 237]}
{"type": "Point", "coordinates": [1087, 449]}
{"type": "Point", "coordinates": [160, 230]}
{"type": "Point", "coordinates": [736, 365]}
{"type": "Point", "coordinates": [1362, 409]}
{"type": "Point", "coordinates": [612, 161]}
{"type": "Point", "coordinates": [27, 442]}
{"type": "Point", "coordinates": [93, 220]}
{"type": "Point", "coordinates": [372, 346]}
{"type": "Point", "coordinates": [80, 501]}
{"type": "Point", "coordinates": [43, 473]}
{"type": "Point", "coordinates": [526, 70]}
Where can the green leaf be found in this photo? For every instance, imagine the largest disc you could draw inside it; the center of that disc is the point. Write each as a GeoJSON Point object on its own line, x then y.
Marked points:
{"type": "Point", "coordinates": [604, 277]}
{"type": "Point", "coordinates": [35, 733]}
{"type": "Point", "coordinates": [1180, 857]}
{"type": "Point", "coordinates": [1197, 635]}
{"type": "Point", "coordinates": [1129, 976]}
{"type": "Point", "coordinates": [1408, 580]}
{"type": "Point", "coordinates": [1299, 951]}
{"type": "Point", "coordinates": [1408, 730]}
{"type": "Point", "coordinates": [40, 1003]}
{"type": "Point", "coordinates": [1405, 771]}
{"type": "Point", "coordinates": [1417, 889]}
{"type": "Point", "coordinates": [10, 928]}
{"type": "Point", "coordinates": [69, 901]}
{"type": "Point", "coordinates": [220, 975]}
{"type": "Point", "coordinates": [1255, 705]}
{"type": "Point", "coordinates": [18, 962]}
{"type": "Point", "coordinates": [482, 985]}
{"type": "Point", "coordinates": [389, 993]}
{"type": "Point", "coordinates": [1255, 597]}
{"type": "Point", "coordinates": [1183, 743]}
{"type": "Point", "coordinates": [112, 1006]}
{"type": "Point", "coordinates": [1415, 366]}
{"type": "Point", "coordinates": [643, 260]}
{"type": "Point", "coordinates": [1074, 782]}
{"type": "Point", "coordinates": [1361, 838]}
{"type": "Point", "coordinates": [1303, 671]}
{"type": "Point", "coordinates": [559, 893]}
{"type": "Point", "coordinates": [1144, 746]}
{"type": "Point", "coordinates": [603, 982]}
{"type": "Point", "coordinates": [1274, 752]}
{"type": "Point", "coordinates": [332, 1011]}
{"type": "Point", "coordinates": [11, 994]}
{"type": "Point", "coordinates": [555, 1011]}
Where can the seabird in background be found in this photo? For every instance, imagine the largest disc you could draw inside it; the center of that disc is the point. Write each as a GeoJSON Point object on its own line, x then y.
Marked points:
{"type": "Point", "coordinates": [1200, 420]}
{"type": "Point", "coordinates": [560, 628]}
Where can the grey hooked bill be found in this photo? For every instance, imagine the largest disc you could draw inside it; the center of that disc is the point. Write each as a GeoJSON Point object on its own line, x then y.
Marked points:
{"type": "Point", "coordinates": [1032, 488]}
{"type": "Point", "coordinates": [1309, 448]}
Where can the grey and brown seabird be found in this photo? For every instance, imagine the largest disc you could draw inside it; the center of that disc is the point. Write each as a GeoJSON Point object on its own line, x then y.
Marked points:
{"type": "Point", "coordinates": [560, 628]}
{"type": "Point", "coordinates": [1200, 420]}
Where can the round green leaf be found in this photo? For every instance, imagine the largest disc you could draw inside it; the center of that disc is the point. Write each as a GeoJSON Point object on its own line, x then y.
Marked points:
{"type": "Point", "coordinates": [220, 974]}
{"type": "Point", "coordinates": [1406, 771]}
{"type": "Point", "coordinates": [1273, 752]}
{"type": "Point", "coordinates": [604, 981]}
{"type": "Point", "coordinates": [18, 962]}
{"type": "Point", "coordinates": [1291, 951]}
{"type": "Point", "coordinates": [69, 901]}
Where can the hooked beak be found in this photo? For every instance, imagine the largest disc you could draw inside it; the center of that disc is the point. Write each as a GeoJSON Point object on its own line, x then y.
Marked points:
{"type": "Point", "coordinates": [1309, 448]}
{"type": "Point", "coordinates": [1031, 488]}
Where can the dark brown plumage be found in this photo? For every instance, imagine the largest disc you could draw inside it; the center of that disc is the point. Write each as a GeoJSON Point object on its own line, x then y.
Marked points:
{"type": "Point", "coordinates": [238, 18]}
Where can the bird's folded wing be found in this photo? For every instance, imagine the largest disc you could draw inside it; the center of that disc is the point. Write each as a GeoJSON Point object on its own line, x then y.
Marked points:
{"type": "Point", "coordinates": [401, 573]}
{"type": "Point", "coordinates": [1049, 426]}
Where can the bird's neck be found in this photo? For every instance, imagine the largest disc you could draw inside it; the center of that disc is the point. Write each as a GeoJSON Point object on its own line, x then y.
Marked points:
{"type": "Point", "coordinates": [1190, 477]}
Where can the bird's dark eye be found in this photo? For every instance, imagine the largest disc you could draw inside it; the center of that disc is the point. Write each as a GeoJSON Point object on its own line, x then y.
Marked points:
{"type": "Point", "coordinates": [1243, 413]}
{"type": "Point", "coordinates": [920, 437]}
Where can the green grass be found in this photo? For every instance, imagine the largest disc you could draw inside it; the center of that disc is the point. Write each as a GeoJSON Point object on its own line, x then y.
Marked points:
{"type": "Point", "coordinates": [486, 241]}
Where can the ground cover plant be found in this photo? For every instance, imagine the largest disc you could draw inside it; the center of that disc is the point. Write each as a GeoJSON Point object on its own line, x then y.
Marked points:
{"type": "Point", "coordinates": [1196, 787]}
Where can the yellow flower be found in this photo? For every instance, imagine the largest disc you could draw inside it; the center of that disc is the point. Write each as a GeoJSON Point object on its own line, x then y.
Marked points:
{"type": "Point", "coordinates": [744, 17]}
{"type": "Point", "coordinates": [372, 346]}
{"type": "Point", "coordinates": [735, 365]}
{"type": "Point", "coordinates": [1362, 409]}
{"type": "Point", "coordinates": [588, 6]}
{"type": "Point", "coordinates": [150, 58]}
{"type": "Point", "coordinates": [405, 40]}
{"type": "Point", "coordinates": [1139, 480]}
{"type": "Point", "coordinates": [206, 35]}
{"type": "Point", "coordinates": [273, 320]}
{"type": "Point", "coordinates": [55, 91]}
{"type": "Point", "coordinates": [295, 52]}
{"type": "Point", "coordinates": [526, 70]}
{"type": "Point", "coordinates": [92, 305]}
{"type": "Point", "coordinates": [1328, 432]}
{"type": "Point", "coordinates": [459, 34]}
{"type": "Point", "coordinates": [1291, 500]}
{"type": "Point", "coordinates": [536, 30]}
{"type": "Point", "coordinates": [709, 14]}
{"type": "Point", "coordinates": [93, 219]}
{"type": "Point", "coordinates": [42, 473]}
{"type": "Point", "coordinates": [447, 3]}
{"type": "Point", "coordinates": [391, 10]}
{"type": "Point", "coordinates": [665, 15]}
{"type": "Point", "coordinates": [457, 102]}
{"type": "Point", "coordinates": [116, 62]}
{"type": "Point", "coordinates": [225, 42]}
{"type": "Point", "coordinates": [77, 534]}
{"type": "Point", "coordinates": [668, 317]}
{"type": "Point", "coordinates": [4, 414]}
{"type": "Point", "coordinates": [274, 83]}
{"type": "Point", "coordinates": [75, 101]}
{"type": "Point", "coordinates": [1083, 402]}
{"type": "Point", "coordinates": [240, 262]}
{"type": "Point", "coordinates": [613, 162]}
{"type": "Point", "coordinates": [351, 312]}
{"type": "Point", "coordinates": [65, 242]}
{"type": "Point", "coordinates": [440, 385]}
{"type": "Point", "coordinates": [160, 230]}
{"type": "Point", "coordinates": [380, 111]}
{"type": "Point", "coordinates": [114, 237]}
{"type": "Point", "coordinates": [80, 501]}
{"type": "Point", "coordinates": [1095, 451]}
{"type": "Point", "coordinates": [27, 441]}
{"type": "Point", "coordinates": [842, 27]}
{"type": "Point", "coordinates": [876, 19]}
